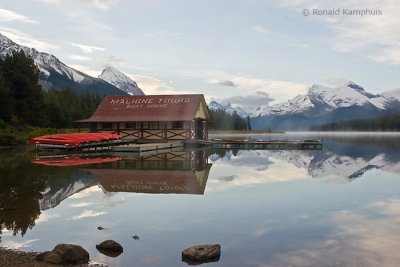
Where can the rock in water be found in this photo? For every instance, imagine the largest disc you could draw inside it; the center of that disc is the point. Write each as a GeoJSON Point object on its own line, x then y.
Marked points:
{"type": "Point", "coordinates": [201, 254]}
{"type": "Point", "coordinates": [110, 248]}
{"type": "Point", "coordinates": [65, 254]}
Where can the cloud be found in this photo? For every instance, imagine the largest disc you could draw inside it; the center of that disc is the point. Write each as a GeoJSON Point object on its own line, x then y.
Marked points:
{"type": "Point", "coordinates": [80, 58]}
{"type": "Point", "coordinates": [8, 15]}
{"type": "Point", "coordinates": [260, 30]}
{"type": "Point", "coordinates": [48, 1]}
{"type": "Point", "coordinates": [226, 83]}
{"type": "Point", "coordinates": [153, 86]}
{"type": "Point", "coordinates": [366, 237]}
{"type": "Point", "coordinates": [44, 217]}
{"type": "Point", "coordinates": [87, 49]}
{"type": "Point", "coordinates": [85, 69]}
{"type": "Point", "coordinates": [262, 91]}
{"type": "Point", "coordinates": [249, 102]}
{"type": "Point", "coordinates": [375, 36]}
{"type": "Point", "coordinates": [87, 24]}
{"type": "Point", "coordinates": [101, 4]}
{"type": "Point", "coordinates": [278, 90]}
{"type": "Point", "coordinates": [80, 204]}
{"type": "Point", "coordinates": [87, 213]}
{"type": "Point", "coordinates": [251, 168]}
{"type": "Point", "coordinates": [26, 39]}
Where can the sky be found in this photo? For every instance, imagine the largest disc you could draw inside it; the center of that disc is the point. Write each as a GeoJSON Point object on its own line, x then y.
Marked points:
{"type": "Point", "coordinates": [248, 52]}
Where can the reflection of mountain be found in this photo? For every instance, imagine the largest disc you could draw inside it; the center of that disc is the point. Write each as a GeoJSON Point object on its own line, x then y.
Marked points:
{"type": "Point", "coordinates": [178, 172]}
{"type": "Point", "coordinates": [63, 179]}
{"type": "Point", "coordinates": [344, 157]}
{"type": "Point", "coordinates": [61, 189]}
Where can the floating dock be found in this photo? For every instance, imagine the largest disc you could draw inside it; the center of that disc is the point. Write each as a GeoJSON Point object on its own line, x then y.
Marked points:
{"type": "Point", "coordinates": [138, 148]}
{"type": "Point", "coordinates": [92, 142]}
{"type": "Point", "coordinates": [267, 144]}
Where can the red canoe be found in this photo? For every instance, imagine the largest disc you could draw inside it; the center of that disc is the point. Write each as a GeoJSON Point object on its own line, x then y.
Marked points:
{"type": "Point", "coordinates": [74, 139]}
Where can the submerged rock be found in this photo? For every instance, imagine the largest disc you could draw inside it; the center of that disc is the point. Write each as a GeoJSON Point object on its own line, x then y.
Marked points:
{"type": "Point", "coordinates": [201, 254]}
{"type": "Point", "coordinates": [110, 248]}
{"type": "Point", "coordinates": [64, 254]}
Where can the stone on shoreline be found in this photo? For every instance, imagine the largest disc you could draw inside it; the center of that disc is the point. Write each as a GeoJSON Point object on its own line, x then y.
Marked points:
{"type": "Point", "coordinates": [201, 254]}
{"type": "Point", "coordinates": [110, 248]}
{"type": "Point", "coordinates": [64, 254]}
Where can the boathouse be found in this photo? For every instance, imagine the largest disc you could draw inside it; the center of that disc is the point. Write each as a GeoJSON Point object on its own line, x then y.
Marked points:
{"type": "Point", "coordinates": [152, 118]}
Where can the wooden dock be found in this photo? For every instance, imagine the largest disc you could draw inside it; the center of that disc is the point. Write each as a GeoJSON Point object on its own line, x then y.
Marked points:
{"type": "Point", "coordinates": [267, 144]}
{"type": "Point", "coordinates": [138, 148]}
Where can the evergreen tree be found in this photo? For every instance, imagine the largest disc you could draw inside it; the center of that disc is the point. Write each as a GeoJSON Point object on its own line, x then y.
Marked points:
{"type": "Point", "coordinates": [6, 104]}
{"type": "Point", "coordinates": [21, 77]}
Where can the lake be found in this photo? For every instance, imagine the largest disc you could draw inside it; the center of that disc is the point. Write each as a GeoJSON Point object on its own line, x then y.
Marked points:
{"type": "Point", "coordinates": [339, 206]}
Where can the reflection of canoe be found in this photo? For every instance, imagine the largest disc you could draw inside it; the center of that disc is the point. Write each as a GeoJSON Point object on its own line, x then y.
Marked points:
{"type": "Point", "coordinates": [73, 161]}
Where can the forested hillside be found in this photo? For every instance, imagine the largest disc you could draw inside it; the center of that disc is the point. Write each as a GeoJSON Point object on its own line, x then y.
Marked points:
{"type": "Point", "coordinates": [24, 104]}
{"type": "Point", "coordinates": [220, 120]}
{"type": "Point", "coordinates": [387, 123]}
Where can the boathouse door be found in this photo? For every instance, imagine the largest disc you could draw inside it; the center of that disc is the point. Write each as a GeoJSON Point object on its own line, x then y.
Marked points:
{"type": "Point", "coordinates": [199, 129]}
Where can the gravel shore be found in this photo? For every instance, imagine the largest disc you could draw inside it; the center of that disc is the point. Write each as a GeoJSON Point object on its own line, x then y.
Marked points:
{"type": "Point", "coordinates": [10, 257]}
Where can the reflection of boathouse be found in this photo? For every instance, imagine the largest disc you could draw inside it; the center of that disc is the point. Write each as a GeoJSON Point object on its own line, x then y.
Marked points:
{"type": "Point", "coordinates": [178, 172]}
{"type": "Point", "coordinates": [152, 118]}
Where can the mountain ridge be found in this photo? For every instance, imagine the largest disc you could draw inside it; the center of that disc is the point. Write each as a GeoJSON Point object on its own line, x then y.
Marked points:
{"type": "Point", "coordinates": [323, 104]}
{"type": "Point", "coordinates": [54, 74]}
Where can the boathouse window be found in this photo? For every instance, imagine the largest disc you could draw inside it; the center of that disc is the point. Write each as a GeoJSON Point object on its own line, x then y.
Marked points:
{"type": "Point", "coordinates": [153, 125]}
{"type": "Point", "coordinates": [177, 124]}
{"type": "Point", "coordinates": [131, 125]}
{"type": "Point", "coordinates": [107, 126]}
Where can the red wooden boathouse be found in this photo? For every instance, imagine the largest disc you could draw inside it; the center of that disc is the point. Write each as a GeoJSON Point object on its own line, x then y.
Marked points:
{"type": "Point", "coordinates": [152, 118]}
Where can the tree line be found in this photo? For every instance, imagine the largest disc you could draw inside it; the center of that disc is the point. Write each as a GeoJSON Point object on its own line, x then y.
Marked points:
{"type": "Point", "coordinates": [386, 123]}
{"type": "Point", "coordinates": [24, 102]}
{"type": "Point", "coordinates": [221, 120]}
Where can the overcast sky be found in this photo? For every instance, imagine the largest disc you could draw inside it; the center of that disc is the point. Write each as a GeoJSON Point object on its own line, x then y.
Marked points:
{"type": "Point", "coordinates": [247, 51]}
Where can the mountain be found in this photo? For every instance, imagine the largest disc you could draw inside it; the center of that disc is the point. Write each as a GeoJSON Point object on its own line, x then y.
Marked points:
{"type": "Point", "coordinates": [121, 81]}
{"type": "Point", "coordinates": [324, 105]}
{"type": "Point", "coordinates": [214, 105]}
{"type": "Point", "coordinates": [55, 74]}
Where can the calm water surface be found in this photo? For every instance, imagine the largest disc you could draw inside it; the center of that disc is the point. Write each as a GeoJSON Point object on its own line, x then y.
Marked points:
{"type": "Point", "coordinates": [339, 206]}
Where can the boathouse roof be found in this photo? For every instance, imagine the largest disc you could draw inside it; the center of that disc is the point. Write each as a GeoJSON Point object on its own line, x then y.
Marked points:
{"type": "Point", "coordinates": [150, 108]}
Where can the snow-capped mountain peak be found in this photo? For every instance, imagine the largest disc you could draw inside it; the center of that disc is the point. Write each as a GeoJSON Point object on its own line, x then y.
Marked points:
{"type": "Point", "coordinates": [120, 80]}
{"type": "Point", "coordinates": [346, 95]}
{"type": "Point", "coordinates": [326, 99]}
{"type": "Point", "coordinates": [44, 61]}
{"type": "Point", "coordinates": [227, 107]}
{"type": "Point", "coordinates": [322, 104]}
{"type": "Point", "coordinates": [56, 74]}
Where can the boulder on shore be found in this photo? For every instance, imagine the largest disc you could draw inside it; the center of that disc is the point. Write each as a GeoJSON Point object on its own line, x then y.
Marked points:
{"type": "Point", "coordinates": [64, 254]}
{"type": "Point", "coordinates": [110, 248]}
{"type": "Point", "coordinates": [201, 254]}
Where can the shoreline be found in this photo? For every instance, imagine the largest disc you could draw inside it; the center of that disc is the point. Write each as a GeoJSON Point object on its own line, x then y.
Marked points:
{"type": "Point", "coordinates": [16, 257]}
